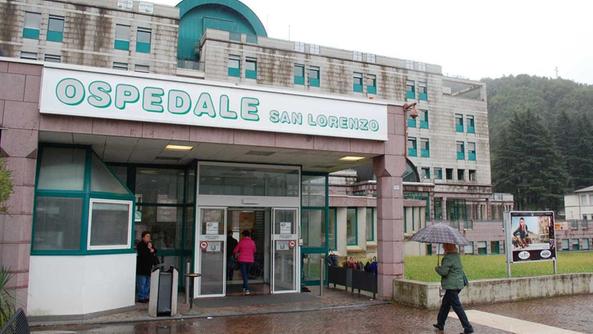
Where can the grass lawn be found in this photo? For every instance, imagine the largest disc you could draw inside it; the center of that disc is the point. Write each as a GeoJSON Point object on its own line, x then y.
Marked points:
{"type": "Point", "coordinates": [421, 268]}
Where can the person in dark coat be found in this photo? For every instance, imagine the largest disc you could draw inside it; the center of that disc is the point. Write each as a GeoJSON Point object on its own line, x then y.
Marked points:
{"type": "Point", "coordinates": [145, 260]}
{"type": "Point", "coordinates": [231, 243]}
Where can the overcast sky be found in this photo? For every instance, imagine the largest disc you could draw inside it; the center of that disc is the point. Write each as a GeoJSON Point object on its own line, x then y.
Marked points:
{"type": "Point", "coordinates": [468, 38]}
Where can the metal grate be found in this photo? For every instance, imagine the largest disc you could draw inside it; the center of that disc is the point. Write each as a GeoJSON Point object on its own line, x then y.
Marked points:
{"type": "Point", "coordinates": [17, 324]}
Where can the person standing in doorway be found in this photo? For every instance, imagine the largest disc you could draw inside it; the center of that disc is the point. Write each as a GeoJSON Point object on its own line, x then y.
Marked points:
{"type": "Point", "coordinates": [245, 251]}
{"type": "Point", "coordinates": [452, 280]}
{"type": "Point", "coordinates": [231, 243]}
{"type": "Point", "coordinates": [146, 258]}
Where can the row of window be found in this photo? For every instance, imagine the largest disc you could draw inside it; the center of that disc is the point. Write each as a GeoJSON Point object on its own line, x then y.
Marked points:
{"type": "Point", "coordinates": [459, 124]}
{"type": "Point", "coordinates": [449, 173]}
{"type": "Point", "coordinates": [311, 75]}
{"type": "Point", "coordinates": [416, 90]}
{"type": "Point", "coordinates": [423, 120]}
{"type": "Point", "coordinates": [576, 244]}
{"type": "Point", "coordinates": [425, 149]}
{"type": "Point", "coordinates": [55, 32]}
{"type": "Point", "coordinates": [58, 59]}
{"type": "Point", "coordinates": [351, 226]}
{"type": "Point", "coordinates": [413, 147]}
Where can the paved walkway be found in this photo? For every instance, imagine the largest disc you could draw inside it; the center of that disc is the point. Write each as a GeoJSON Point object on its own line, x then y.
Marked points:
{"type": "Point", "coordinates": [556, 315]}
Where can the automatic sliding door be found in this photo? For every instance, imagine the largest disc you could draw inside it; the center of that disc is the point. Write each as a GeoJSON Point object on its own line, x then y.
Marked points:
{"type": "Point", "coordinates": [284, 250]}
{"type": "Point", "coordinates": [211, 252]}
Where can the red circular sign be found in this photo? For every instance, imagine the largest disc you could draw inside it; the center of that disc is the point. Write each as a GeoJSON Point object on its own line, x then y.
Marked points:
{"type": "Point", "coordinates": [291, 243]}
{"type": "Point", "coordinates": [203, 244]}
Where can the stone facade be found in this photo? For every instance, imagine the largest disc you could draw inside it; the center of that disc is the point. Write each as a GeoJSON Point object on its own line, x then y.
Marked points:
{"type": "Point", "coordinates": [89, 34]}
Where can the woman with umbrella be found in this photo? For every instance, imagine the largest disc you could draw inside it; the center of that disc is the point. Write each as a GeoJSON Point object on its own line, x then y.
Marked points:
{"type": "Point", "coordinates": [453, 278]}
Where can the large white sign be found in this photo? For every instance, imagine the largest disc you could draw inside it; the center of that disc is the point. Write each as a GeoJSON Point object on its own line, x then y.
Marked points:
{"type": "Point", "coordinates": [169, 100]}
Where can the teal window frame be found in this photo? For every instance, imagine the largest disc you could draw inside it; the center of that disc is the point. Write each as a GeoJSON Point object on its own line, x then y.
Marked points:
{"type": "Point", "coordinates": [410, 90]}
{"type": "Point", "coordinates": [422, 91]}
{"type": "Point", "coordinates": [86, 194]}
{"type": "Point", "coordinates": [250, 73]}
{"type": "Point", "coordinates": [314, 76]}
{"type": "Point", "coordinates": [299, 78]}
{"type": "Point", "coordinates": [357, 80]}
{"type": "Point", "coordinates": [460, 147]}
{"type": "Point", "coordinates": [141, 46]}
{"type": "Point", "coordinates": [120, 42]}
{"type": "Point", "coordinates": [348, 243]}
{"type": "Point", "coordinates": [438, 173]}
{"type": "Point", "coordinates": [459, 123]}
{"type": "Point", "coordinates": [471, 124]}
{"type": "Point", "coordinates": [412, 147]}
{"type": "Point", "coordinates": [372, 215]}
{"type": "Point", "coordinates": [425, 172]}
{"type": "Point", "coordinates": [424, 119]}
{"type": "Point", "coordinates": [372, 87]}
{"type": "Point", "coordinates": [32, 25]}
{"type": "Point", "coordinates": [324, 250]}
{"type": "Point", "coordinates": [411, 122]}
{"type": "Point", "coordinates": [424, 147]}
{"type": "Point", "coordinates": [471, 153]}
{"type": "Point", "coordinates": [234, 71]}
{"type": "Point", "coordinates": [334, 212]}
{"type": "Point", "coordinates": [55, 35]}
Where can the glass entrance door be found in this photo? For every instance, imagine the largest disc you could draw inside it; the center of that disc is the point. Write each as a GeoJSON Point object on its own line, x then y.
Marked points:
{"type": "Point", "coordinates": [211, 252]}
{"type": "Point", "coordinates": [284, 250]}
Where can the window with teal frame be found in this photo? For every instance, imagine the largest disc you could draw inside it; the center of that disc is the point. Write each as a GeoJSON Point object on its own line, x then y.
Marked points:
{"type": "Point", "coordinates": [250, 68]}
{"type": "Point", "coordinates": [333, 229]}
{"type": "Point", "coordinates": [80, 206]}
{"type": "Point", "coordinates": [423, 119]}
{"type": "Point", "coordinates": [143, 40]}
{"type": "Point", "coordinates": [234, 66]}
{"type": "Point", "coordinates": [371, 84]}
{"type": "Point", "coordinates": [422, 91]}
{"type": "Point", "coordinates": [313, 73]}
{"type": "Point", "coordinates": [424, 148]}
{"type": "Point", "coordinates": [370, 224]}
{"type": "Point", "coordinates": [299, 74]}
{"type": "Point", "coordinates": [471, 125]}
{"type": "Point", "coordinates": [471, 151]}
{"type": "Point", "coordinates": [55, 29]}
{"type": "Point", "coordinates": [458, 123]}
{"type": "Point", "coordinates": [438, 173]}
{"type": "Point", "coordinates": [122, 37]}
{"type": "Point", "coordinates": [32, 25]}
{"type": "Point", "coordinates": [357, 82]}
{"type": "Point", "coordinates": [460, 150]}
{"type": "Point", "coordinates": [410, 90]}
{"type": "Point", "coordinates": [352, 226]}
{"type": "Point", "coordinates": [411, 122]}
{"type": "Point", "coordinates": [412, 152]}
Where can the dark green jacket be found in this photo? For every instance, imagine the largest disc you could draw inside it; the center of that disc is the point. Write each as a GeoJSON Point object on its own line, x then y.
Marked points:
{"type": "Point", "coordinates": [451, 272]}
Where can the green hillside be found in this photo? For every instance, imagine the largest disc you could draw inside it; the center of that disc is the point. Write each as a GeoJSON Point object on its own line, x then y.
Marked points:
{"type": "Point", "coordinates": [541, 138]}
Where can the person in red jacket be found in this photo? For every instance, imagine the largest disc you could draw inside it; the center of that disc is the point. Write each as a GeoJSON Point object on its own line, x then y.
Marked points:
{"type": "Point", "coordinates": [244, 251]}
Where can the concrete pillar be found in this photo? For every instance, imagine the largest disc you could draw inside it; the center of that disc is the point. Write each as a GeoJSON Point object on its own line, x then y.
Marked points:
{"type": "Point", "coordinates": [444, 208]}
{"type": "Point", "coordinates": [390, 231]}
{"type": "Point", "coordinates": [341, 236]}
{"type": "Point", "coordinates": [361, 226]}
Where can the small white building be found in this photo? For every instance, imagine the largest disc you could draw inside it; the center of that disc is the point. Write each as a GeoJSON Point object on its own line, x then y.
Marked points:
{"type": "Point", "coordinates": [579, 204]}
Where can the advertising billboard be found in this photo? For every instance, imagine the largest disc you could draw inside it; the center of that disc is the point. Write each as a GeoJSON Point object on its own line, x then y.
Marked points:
{"type": "Point", "coordinates": [530, 235]}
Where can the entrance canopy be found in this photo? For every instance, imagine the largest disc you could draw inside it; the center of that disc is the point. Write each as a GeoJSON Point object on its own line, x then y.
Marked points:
{"type": "Point", "coordinates": [156, 151]}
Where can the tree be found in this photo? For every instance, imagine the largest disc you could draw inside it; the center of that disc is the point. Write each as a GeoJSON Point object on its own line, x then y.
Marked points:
{"type": "Point", "coordinates": [528, 165]}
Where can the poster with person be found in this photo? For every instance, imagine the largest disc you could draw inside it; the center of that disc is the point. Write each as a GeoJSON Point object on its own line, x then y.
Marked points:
{"type": "Point", "coordinates": [531, 235]}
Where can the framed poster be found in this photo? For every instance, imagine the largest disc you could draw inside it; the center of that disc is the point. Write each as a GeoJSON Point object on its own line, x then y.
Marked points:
{"type": "Point", "coordinates": [530, 236]}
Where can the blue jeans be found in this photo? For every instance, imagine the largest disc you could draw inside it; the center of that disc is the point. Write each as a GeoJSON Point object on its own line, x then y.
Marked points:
{"type": "Point", "coordinates": [245, 266]}
{"type": "Point", "coordinates": [142, 287]}
{"type": "Point", "coordinates": [451, 300]}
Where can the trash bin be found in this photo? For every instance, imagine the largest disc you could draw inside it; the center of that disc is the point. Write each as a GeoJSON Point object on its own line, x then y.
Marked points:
{"type": "Point", "coordinates": [163, 292]}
